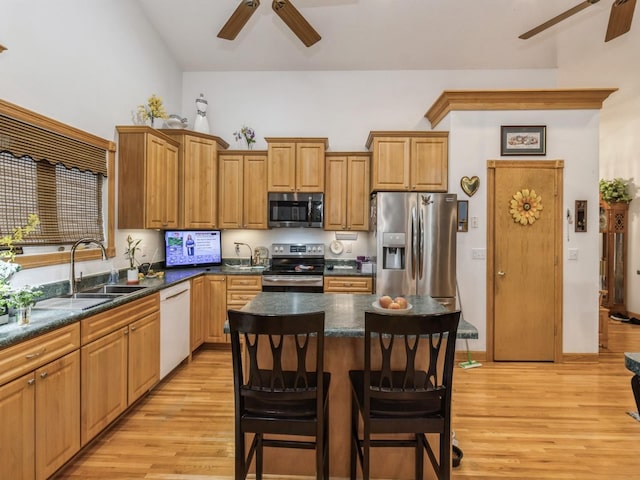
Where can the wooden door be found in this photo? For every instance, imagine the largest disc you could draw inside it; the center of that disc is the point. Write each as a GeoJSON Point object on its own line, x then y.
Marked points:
{"type": "Point", "coordinates": [199, 183]}
{"type": "Point", "coordinates": [17, 435]}
{"type": "Point", "coordinates": [217, 308]}
{"type": "Point", "coordinates": [310, 167]}
{"type": "Point", "coordinates": [231, 188]}
{"type": "Point", "coordinates": [57, 411]}
{"type": "Point", "coordinates": [335, 198]}
{"type": "Point", "coordinates": [358, 193]}
{"type": "Point", "coordinates": [103, 382]}
{"type": "Point", "coordinates": [144, 355]}
{"type": "Point", "coordinates": [390, 166]}
{"type": "Point", "coordinates": [281, 171]}
{"type": "Point", "coordinates": [429, 164]}
{"type": "Point", "coordinates": [524, 263]}
{"type": "Point", "coordinates": [254, 197]}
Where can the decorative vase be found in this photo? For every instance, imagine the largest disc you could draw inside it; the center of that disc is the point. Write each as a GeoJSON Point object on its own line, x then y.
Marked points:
{"type": "Point", "coordinates": [23, 315]}
{"type": "Point", "coordinates": [201, 124]}
{"type": "Point", "coordinates": [132, 276]}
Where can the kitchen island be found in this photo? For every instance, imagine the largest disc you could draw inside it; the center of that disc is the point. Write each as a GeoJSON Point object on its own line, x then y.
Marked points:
{"type": "Point", "coordinates": [344, 350]}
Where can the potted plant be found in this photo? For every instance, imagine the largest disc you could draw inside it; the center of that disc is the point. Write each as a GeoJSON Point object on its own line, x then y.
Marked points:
{"type": "Point", "coordinates": [130, 253]}
{"type": "Point", "coordinates": [615, 190]}
{"type": "Point", "coordinates": [22, 299]}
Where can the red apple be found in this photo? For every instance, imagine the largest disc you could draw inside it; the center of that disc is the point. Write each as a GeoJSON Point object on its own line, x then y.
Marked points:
{"type": "Point", "coordinates": [385, 301]}
{"type": "Point", "coordinates": [401, 301]}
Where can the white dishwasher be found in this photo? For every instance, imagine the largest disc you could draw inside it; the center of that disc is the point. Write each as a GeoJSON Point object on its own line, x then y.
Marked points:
{"type": "Point", "coordinates": [174, 326]}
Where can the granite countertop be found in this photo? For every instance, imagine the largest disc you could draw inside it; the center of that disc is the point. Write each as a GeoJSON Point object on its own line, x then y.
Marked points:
{"type": "Point", "coordinates": [344, 313]}
{"type": "Point", "coordinates": [632, 362]}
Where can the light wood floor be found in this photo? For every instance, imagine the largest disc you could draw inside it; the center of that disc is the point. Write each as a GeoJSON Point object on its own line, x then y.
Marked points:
{"type": "Point", "coordinates": [513, 421]}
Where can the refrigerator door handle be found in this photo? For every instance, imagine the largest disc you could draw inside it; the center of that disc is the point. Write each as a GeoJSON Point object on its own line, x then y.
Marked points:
{"type": "Point", "coordinates": [421, 242]}
{"type": "Point", "coordinates": [414, 242]}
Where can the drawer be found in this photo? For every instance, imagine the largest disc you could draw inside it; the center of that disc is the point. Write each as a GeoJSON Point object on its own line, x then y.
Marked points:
{"type": "Point", "coordinates": [240, 297]}
{"type": "Point", "coordinates": [109, 321]}
{"type": "Point", "coordinates": [244, 282]}
{"type": "Point", "coordinates": [31, 354]}
{"type": "Point", "coordinates": [347, 284]}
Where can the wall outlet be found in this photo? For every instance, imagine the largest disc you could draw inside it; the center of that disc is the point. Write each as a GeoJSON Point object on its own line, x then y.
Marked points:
{"type": "Point", "coordinates": [478, 253]}
{"type": "Point", "coordinates": [347, 247]}
{"type": "Point", "coordinates": [474, 222]}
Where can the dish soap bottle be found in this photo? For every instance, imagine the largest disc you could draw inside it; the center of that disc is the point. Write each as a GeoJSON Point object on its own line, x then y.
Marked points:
{"type": "Point", "coordinates": [113, 276]}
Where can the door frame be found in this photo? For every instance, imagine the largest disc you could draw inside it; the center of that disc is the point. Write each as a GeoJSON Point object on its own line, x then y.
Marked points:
{"type": "Point", "coordinates": [558, 166]}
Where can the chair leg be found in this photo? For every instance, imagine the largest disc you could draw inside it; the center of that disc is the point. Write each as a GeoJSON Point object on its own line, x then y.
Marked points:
{"type": "Point", "coordinates": [366, 450]}
{"type": "Point", "coordinates": [326, 449]}
{"type": "Point", "coordinates": [419, 457]}
{"type": "Point", "coordinates": [354, 440]}
{"type": "Point", "coordinates": [445, 455]}
{"type": "Point", "coordinates": [259, 446]}
{"type": "Point", "coordinates": [240, 468]}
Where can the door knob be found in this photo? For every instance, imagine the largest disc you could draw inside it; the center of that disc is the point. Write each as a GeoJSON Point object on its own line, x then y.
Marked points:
{"type": "Point", "coordinates": [501, 273]}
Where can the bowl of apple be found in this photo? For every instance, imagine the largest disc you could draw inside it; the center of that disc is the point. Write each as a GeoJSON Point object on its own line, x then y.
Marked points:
{"type": "Point", "coordinates": [389, 304]}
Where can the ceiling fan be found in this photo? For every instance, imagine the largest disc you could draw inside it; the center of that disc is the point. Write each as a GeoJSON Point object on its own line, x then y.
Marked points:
{"type": "Point", "coordinates": [283, 8]}
{"type": "Point", "coordinates": [619, 19]}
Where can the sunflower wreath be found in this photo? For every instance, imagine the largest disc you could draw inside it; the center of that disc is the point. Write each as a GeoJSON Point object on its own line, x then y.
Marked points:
{"type": "Point", "coordinates": [526, 206]}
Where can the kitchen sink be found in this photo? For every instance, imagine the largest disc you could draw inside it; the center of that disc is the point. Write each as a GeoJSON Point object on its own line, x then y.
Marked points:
{"type": "Point", "coordinates": [113, 289]}
{"type": "Point", "coordinates": [88, 298]}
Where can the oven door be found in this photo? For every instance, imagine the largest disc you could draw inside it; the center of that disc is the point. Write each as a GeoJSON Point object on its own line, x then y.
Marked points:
{"type": "Point", "coordinates": [292, 283]}
{"type": "Point", "coordinates": [295, 210]}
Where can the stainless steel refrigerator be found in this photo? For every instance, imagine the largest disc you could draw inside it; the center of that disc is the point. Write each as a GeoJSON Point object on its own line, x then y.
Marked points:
{"type": "Point", "coordinates": [415, 244]}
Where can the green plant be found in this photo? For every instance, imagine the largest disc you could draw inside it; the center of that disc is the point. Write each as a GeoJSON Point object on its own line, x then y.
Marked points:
{"type": "Point", "coordinates": [615, 190]}
{"type": "Point", "coordinates": [132, 248]}
{"type": "Point", "coordinates": [23, 297]}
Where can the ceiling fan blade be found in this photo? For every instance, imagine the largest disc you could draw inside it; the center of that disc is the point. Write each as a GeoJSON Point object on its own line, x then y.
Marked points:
{"type": "Point", "coordinates": [557, 19]}
{"type": "Point", "coordinates": [238, 19]}
{"type": "Point", "coordinates": [620, 18]}
{"type": "Point", "coordinates": [296, 22]}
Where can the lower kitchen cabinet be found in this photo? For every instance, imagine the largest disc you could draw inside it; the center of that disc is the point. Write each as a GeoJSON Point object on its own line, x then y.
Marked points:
{"type": "Point", "coordinates": [241, 289]}
{"type": "Point", "coordinates": [216, 305]}
{"type": "Point", "coordinates": [40, 404]}
{"type": "Point", "coordinates": [347, 285]}
{"type": "Point", "coordinates": [199, 311]}
{"type": "Point", "coordinates": [120, 361]}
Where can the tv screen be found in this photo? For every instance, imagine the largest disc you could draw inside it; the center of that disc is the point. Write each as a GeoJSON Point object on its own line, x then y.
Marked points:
{"type": "Point", "coordinates": [192, 248]}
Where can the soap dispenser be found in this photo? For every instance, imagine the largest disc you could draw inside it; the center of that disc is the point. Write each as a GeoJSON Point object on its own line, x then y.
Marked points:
{"type": "Point", "coordinates": [113, 276]}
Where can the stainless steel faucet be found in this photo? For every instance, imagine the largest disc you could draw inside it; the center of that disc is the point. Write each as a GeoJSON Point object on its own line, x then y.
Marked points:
{"type": "Point", "coordinates": [237, 244]}
{"type": "Point", "coordinates": [73, 288]}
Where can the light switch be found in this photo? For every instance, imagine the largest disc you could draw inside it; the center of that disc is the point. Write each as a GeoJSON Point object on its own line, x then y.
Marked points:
{"type": "Point", "coordinates": [478, 253]}
{"type": "Point", "coordinates": [573, 254]}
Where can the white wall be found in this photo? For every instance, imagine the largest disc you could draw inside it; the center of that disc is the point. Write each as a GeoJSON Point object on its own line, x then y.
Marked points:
{"type": "Point", "coordinates": [594, 63]}
{"type": "Point", "coordinates": [87, 64]}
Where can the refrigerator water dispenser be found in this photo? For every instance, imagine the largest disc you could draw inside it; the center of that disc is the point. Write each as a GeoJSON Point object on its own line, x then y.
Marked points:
{"type": "Point", "coordinates": [393, 251]}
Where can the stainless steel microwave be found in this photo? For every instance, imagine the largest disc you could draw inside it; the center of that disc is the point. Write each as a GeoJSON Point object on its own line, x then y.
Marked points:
{"type": "Point", "coordinates": [295, 210]}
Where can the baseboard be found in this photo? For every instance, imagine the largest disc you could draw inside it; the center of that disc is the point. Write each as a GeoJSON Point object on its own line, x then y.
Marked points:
{"type": "Point", "coordinates": [580, 357]}
{"type": "Point", "coordinates": [461, 356]}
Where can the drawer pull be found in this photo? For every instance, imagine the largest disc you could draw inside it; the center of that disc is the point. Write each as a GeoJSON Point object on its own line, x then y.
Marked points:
{"type": "Point", "coordinates": [43, 374]}
{"type": "Point", "coordinates": [31, 381]}
{"type": "Point", "coordinates": [35, 355]}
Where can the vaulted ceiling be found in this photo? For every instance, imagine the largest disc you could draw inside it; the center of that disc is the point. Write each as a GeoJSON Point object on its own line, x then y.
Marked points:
{"type": "Point", "coordinates": [373, 34]}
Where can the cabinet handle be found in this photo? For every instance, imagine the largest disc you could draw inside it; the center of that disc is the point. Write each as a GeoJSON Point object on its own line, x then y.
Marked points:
{"type": "Point", "coordinates": [501, 273]}
{"type": "Point", "coordinates": [31, 381]}
{"type": "Point", "coordinates": [43, 374]}
{"type": "Point", "coordinates": [126, 332]}
{"type": "Point", "coordinates": [133, 329]}
{"type": "Point", "coordinates": [35, 355]}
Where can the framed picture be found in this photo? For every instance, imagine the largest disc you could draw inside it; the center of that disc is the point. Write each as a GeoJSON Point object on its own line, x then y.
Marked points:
{"type": "Point", "coordinates": [523, 140]}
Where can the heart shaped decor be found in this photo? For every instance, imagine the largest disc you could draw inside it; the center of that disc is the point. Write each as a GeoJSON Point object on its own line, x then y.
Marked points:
{"type": "Point", "coordinates": [470, 185]}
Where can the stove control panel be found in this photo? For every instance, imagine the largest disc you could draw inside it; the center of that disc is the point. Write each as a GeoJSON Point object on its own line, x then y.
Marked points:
{"type": "Point", "coordinates": [297, 250]}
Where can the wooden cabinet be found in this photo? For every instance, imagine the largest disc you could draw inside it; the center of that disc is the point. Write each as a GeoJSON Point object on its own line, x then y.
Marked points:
{"type": "Point", "coordinates": [614, 225]}
{"type": "Point", "coordinates": [241, 289]}
{"type": "Point", "coordinates": [197, 178]}
{"type": "Point", "coordinates": [40, 404]}
{"type": "Point", "coordinates": [347, 284]}
{"type": "Point", "coordinates": [147, 178]}
{"type": "Point", "coordinates": [243, 190]}
{"type": "Point", "coordinates": [346, 202]}
{"type": "Point", "coordinates": [216, 305]}
{"type": "Point", "coordinates": [198, 314]}
{"type": "Point", "coordinates": [120, 361]}
{"type": "Point", "coordinates": [296, 164]}
{"type": "Point", "coordinates": [409, 161]}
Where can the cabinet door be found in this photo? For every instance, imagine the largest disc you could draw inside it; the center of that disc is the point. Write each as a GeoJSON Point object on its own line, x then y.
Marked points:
{"type": "Point", "coordinates": [155, 183]}
{"type": "Point", "coordinates": [198, 311]}
{"type": "Point", "coordinates": [358, 193]}
{"type": "Point", "coordinates": [144, 355]}
{"type": "Point", "coordinates": [429, 164]}
{"type": "Point", "coordinates": [335, 198]}
{"type": "Point", "coordinates": [199, 183]}
{"type": "Point", "coordinates": [310, 167]}
{"type": "Point", "coordinates": [103, 382]}
{"type": "Point", "coordinates": [281, 171]}
{"type": "Point", "coordinates": [390, 166]}
{"type": "Point", "coordinates": [217, 307]}
{"type": "Point", "coordinates": [255, 192]}
{"type": "Point", "coordinates": [17, 435]}
{"type": "Point", "coordinates": [57, 413]}
{"type": "Point", "coordinates": [170, 182]}
{"type": "Point", "coordinates": [231, 189]}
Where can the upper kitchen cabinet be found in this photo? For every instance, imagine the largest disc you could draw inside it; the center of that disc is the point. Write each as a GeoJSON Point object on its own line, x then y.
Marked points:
{"type": "Point", "coordinates": [346, 203]}
{"type": "Point", "coordinates": [409, 161]}
{"type": "Point", "coordinates": [147, 178]}
{"type": "Point", "coordinates": [197, 178]}
{"type": "Point", "coordinates": [243, 189]}
{"type": "Point", "coordinates": [296, 164]}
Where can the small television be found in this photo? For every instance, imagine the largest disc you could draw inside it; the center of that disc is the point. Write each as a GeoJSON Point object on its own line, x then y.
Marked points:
{"type": "Point", "coordinates": [192, 248]}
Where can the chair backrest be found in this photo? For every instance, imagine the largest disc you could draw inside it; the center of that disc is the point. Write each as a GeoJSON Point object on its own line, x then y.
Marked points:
{"type": "Point", "coordinates": [283, 357]}
{"type": "Point", "coordinates": [409, 362]}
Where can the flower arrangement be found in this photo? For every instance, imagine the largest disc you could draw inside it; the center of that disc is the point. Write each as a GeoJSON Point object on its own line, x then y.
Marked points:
{"type": "Point", "coordinates": [526, 206]}
{"type": "Point", "coordinates": [248, 134]}
{"type": "Point", "coordinates": [615, 190]}
{"type": "Point", "coordinates": [130, 252]}
{"type": "Point", "coordinates": [153, 109]}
